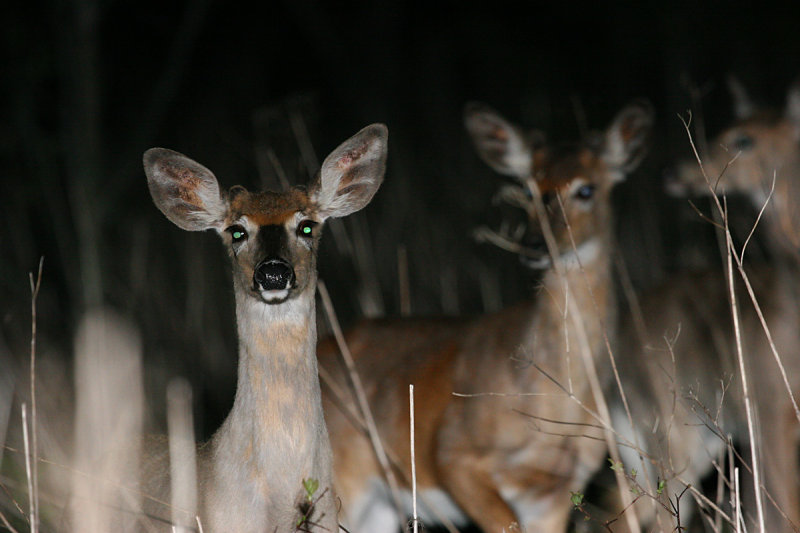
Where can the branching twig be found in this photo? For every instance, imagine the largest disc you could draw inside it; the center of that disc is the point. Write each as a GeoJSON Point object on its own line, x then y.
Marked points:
{"type": "Point", "coordinates": [737, 333]}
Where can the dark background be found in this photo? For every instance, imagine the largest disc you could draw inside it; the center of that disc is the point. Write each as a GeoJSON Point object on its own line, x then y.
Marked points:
{"type": "Point", "coordinates": [87, 86]}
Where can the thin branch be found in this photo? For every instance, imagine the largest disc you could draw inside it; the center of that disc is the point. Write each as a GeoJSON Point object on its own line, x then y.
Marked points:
{"type": "Point", "coordinates": [361, 398]}
{"type": "Point", "coordinates": [35, 285]}
{"type": "Point", "coordinates": [415, 516]}
{"type": "Point", "coordinates": [31, 503]}
{"type": "Point", "coordinates": [737, 334]}
{"type": "Point", "coordinates": [6, 523]}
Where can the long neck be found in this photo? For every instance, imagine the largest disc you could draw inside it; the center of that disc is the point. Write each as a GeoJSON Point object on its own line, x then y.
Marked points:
{"type": "Point", "coordinates": [584, 290]}
{"type": "Point", "coordinates": [277, 411]}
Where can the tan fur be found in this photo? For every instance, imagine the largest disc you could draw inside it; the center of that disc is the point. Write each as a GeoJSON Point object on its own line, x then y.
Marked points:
{"type": "Point", "coordinates": [697, 306]}
{"type": "Point", "coordinates": [252, 472]}
{"type": "Point", "coordinates": [501, 459]}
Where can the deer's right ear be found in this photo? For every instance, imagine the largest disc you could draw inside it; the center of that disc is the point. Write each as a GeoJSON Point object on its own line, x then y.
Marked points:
{"type": "Point", "coordinates": [499, 143]}
{"type": "Point", "coordinates": [184, 190]}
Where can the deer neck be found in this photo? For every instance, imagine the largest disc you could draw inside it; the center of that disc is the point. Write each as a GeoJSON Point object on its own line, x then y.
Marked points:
{"type": "Point", "coordinates": [583, 288]}
{"type": "Point", "coordinates": [585, 274]}
{"type": "Point", "coordinates": [277, 410]}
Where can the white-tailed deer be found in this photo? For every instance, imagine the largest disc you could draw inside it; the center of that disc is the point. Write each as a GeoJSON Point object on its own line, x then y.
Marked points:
{"type": "Point", "coordinates": [683, 379]}
{"type": "Point", "coordinates": [259, 471]}
{"type": "Point", "coordinates": [513, 455]}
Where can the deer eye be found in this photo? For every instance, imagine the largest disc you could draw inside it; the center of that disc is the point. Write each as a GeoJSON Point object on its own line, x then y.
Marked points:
{"type": "Point", "coordinates": [585, 192]}
{"type": "Point", "coordinates": [238, 233]}
{"type": "Point", "coordinates": [306, 228]}
{"type": "Point", "coordinates": [743, 142]}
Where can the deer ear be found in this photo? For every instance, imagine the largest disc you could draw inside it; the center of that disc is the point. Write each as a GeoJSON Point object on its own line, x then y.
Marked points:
{"type": "Point", "coordinates": [184, 190]}
{"type": "Point", "coordinates": [625, 142]}
{"type": "Point", "coordinates": [743, 106]}
{"type": "Point", "coordinates": [351, 175]}
{"type": "Point", "coordinates": [793, 107]}
{"type": "Point", "coordinates": [500, 144]}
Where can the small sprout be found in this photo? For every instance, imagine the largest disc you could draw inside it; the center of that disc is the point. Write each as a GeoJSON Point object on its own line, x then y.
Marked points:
{"type": "Point", "coordinates": [616, 467]}
{"type": "Point", "coordinates": [633, 473]}
{"type": "Point", "coordinates": [661, 486]}
{"type": "Point", "coordinates": [311, 485]}
{"type": "Point", "coordinates": [635, 491]}
{"type": "Point", "coordinates": [576, 498]}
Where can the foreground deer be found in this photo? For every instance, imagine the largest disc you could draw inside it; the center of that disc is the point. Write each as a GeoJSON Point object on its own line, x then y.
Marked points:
{"type": "Point", "coordinates": [511, 459]}
{"type": "Point", "coordinates": [683, 400]}
{"type": "Point", "coordinates": [253, 470]}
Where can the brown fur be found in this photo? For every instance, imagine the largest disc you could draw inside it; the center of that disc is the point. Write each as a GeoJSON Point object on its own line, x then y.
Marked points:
{"type": "Point", "coordinates": [252, 474]}
{"type": "Point", "coordinates": [502, 459]}
{"type": "Point", "coordinates": [697, 306]}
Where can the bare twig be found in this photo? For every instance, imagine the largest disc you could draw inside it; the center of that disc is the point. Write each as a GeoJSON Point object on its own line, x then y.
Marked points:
{"type": "Point", "coordinates": [361, 398]}
{"type": "Point", "coordinates": [586, 350]}
{"type": "Point", "coordinates": [355, 417]}
{"type": "Point", "coordinates": [35, 285]}
{"type": "Point", "coordinates": [7, 524]}
{"type": "Point", "coordinates": [730, 252]}
{"type": "Point", "coordinates": [31, 503]}
{"type": "Point", "coordinates": [415, 516]}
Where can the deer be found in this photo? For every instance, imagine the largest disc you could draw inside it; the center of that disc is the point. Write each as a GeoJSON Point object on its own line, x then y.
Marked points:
{"type": "Point", "coordinates": [268, 467]}
{"type": "Point", "coordinates": [505, 461]}
{"type": "Point", "coordinates": [681, 374]}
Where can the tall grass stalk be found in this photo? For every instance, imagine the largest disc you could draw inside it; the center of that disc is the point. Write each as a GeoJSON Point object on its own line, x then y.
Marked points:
{"type": "Point", "coordinates": [361, 399]}
{"type": "Point", "coordinates": [585, 350]}
{"type": "Point", "coordinates": [182, 455]}
{"type": "Point", "coordinates": [34, 474]}
{"type": "Point", "coordinates": [731, 256]}
{"type": "Point", "coordinates": [108, 428]}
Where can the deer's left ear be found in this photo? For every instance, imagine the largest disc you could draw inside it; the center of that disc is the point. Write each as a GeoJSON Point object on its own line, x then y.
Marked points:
{"type": "Point", "coordinates": [351, 175]}
{"type": "Point", "coordinates": [793, 107]}
{"type": "Point", "coordinates": [626, 139]}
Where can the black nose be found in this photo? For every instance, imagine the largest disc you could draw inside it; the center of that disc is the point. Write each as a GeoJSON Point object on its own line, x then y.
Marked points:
{"type": "Point", "coordinates": [534, 242]}
{"type": "Point", "coordinates": [273, 275]}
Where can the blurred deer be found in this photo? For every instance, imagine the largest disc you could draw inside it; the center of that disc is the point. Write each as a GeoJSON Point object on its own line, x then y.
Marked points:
{"type": "Point", "coordinates": [268, 467]}
{"type": "Point", "coordinates": [683, 380]}
{"type": "Point", "coordinates": [509, 457]}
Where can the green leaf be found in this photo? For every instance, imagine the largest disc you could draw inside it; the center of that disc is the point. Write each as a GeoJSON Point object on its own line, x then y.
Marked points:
{"type": "Point", "coordinates": [576, 498]}
{"type": "Point", "coordinates": [311, 485]}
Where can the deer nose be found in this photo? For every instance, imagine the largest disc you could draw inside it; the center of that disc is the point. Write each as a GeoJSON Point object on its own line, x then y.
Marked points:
{"type": "Point", "coordinates": [273, 275]}
{"type": "Point", "coordinates": [535, 242]}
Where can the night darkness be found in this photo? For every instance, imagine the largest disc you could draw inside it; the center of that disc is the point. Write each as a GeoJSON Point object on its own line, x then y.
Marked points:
{"type": "Point", "coordinates": [89, 85]}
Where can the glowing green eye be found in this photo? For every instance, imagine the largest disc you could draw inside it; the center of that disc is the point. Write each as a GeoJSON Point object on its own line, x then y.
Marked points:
{"type": "Point", "coordinates": [306, 228]}
{"type": "Point", "coordinates": [238, 233]}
